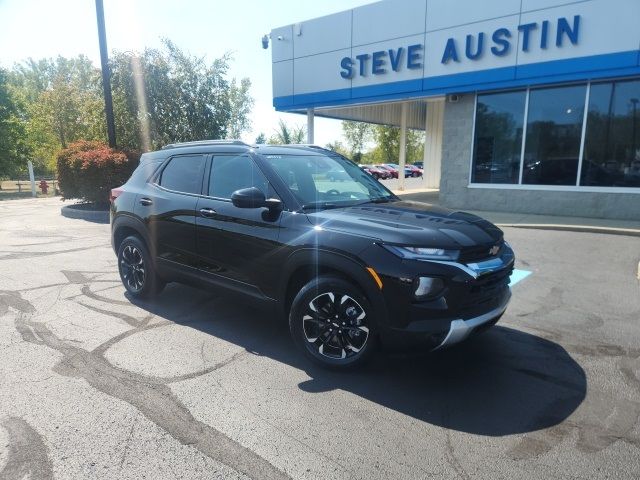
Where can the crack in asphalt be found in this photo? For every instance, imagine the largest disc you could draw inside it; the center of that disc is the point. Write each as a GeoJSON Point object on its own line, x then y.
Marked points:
{"type": "Point", "coordinates": [28, 456]}
{"type": "Point", "coordinates": [149, 395]}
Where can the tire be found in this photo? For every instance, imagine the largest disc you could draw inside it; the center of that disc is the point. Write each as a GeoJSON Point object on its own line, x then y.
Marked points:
{"type": "Point", "coordinates": [376, 176]}
{"type": "Point", "coordinates": [331, 334]}
{"type": "Point", "coordinates": [137, 271]}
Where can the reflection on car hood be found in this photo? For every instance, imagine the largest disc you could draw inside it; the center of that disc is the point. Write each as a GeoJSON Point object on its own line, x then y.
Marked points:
{"type": "Point", "coordinates": [410, 223]}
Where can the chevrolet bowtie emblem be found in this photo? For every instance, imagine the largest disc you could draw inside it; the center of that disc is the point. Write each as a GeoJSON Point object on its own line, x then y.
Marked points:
{"type": "Point", "coordinates": [494, 250]}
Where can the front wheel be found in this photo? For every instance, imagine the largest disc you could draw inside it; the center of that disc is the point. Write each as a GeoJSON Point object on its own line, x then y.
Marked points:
{"type": "Point", "coordinates": [137, 271]}
{"type": "Point", "coordinates": [332, 323]}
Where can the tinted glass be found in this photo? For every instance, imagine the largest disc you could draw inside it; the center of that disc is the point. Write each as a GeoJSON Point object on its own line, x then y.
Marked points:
{"type": "Point", "coordinates": [184, 174]}
{"type": "Point", "coordinates": [324, 181]}
{"type": "Point", "coordinates": [230, 173]}
{"type": "Point", "coordinates": [554, 130]}
{"type": "Point", "coordinates": [612, 143]}
{"type": "Point", "coordinates": [498, 138]}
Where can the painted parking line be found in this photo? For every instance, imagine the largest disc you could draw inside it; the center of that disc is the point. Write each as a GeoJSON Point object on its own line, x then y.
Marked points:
{"type": "Point", "coordinates": [518, 275]}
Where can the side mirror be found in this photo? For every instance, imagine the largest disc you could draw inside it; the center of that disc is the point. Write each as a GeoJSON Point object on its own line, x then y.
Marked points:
{"type": "Point", "coordinates": [254, 198]}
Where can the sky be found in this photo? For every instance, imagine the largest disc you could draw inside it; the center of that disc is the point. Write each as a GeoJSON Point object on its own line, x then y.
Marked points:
{"type": "Point", "coordinates": [207, 28]}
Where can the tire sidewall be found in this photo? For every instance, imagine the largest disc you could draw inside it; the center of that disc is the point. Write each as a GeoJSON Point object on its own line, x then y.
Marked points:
{"type": "Point", "coordinates": [309, 292]}
{"type": "Point", "coordinates": [151, 284]}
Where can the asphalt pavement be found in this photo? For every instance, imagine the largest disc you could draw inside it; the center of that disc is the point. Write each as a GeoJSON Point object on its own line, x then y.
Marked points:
{"type": "Point", "coordinates": [194, 385]}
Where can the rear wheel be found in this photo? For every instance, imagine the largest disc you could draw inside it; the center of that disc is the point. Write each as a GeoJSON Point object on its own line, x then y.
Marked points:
{"type": "Point", "coordinates": [137, 271]}
{"type": "Point", "coordinates": [331, 322]}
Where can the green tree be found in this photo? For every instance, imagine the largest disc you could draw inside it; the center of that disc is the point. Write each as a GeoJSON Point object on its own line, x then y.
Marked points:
{"type": "Point", "coordinates": [339, 148]}
{"type": "Point", "coordinates": [261, 139]}
{"type": "Point", "coordinates": [387, 148]}
{"type": "Point", "coordinates": [241, 104]}
{"type": "Point", "coordinates": [356, 134]}
{"type": "Point", "coordinates": [166, 95]}
{"type": "Point", "coordinates": [285, 134]}
{"type": "Point", "coordinates": [63, 104]}
{"type": "Point", "coordinates": [14, 151]}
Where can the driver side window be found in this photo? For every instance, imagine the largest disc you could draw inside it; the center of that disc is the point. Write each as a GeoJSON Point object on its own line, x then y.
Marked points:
{"type": "Point", "coordinates": [230, 173]}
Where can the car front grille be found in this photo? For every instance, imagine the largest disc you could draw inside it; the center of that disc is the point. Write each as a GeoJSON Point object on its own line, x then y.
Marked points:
{"type": "Point", "coordinates": [479, 253]}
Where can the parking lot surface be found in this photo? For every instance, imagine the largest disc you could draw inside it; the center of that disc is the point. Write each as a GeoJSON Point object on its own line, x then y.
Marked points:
{"type": "Point", "coordinates": [195, 385]}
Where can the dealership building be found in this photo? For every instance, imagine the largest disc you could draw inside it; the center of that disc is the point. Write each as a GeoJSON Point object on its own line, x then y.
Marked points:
{"type": "Point", "coordinates": [528, 106]}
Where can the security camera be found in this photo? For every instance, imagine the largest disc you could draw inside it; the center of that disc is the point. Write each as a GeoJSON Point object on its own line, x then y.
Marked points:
{"type": "Point", "coordinates": [265, 42]}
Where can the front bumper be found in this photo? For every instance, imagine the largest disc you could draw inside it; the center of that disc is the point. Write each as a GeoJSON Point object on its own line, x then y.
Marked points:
{"type": "Point", "coordinates": [461, 329]}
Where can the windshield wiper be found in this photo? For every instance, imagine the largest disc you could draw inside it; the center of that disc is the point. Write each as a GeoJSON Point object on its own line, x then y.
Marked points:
{"type": "Point", "coordinates": [319, 206]}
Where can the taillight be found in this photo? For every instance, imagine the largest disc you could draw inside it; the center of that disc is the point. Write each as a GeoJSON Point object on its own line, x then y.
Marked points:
{"type": "Point", "coordinates": [115, 193]}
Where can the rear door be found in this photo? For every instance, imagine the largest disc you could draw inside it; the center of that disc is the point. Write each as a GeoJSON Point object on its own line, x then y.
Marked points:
{"type": "Point", "coordinates": [168, 207]}
{"type": "Point", "coordinates": [237, 244]}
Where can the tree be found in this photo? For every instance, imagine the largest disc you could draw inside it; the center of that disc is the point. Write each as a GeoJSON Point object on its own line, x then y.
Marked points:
{"type": "Point", "coordinates": [356, 134]}
{"type": "Point", "coordinates": [261, 139]}
{"type": "Point", "coordinates": [166, 95]}
{"type": "Point", "coordinates": [339, 148]}
{"type": "Point", "coordinates": [286, 134]}
{"type": "Point", "coordinates": [13, 148]}
{"type": "Point", "coordinates": [241, 104]}
{"type": "Point", "coordinates": [387, 148]}
{"type": "Point", "coordinates": [63, 104]}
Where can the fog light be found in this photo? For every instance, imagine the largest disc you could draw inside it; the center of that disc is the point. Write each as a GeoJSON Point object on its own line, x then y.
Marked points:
{"type": "Point", "coordinates": [426, 287]}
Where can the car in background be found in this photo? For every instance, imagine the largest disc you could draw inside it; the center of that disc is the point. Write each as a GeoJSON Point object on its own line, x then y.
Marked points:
{"type": "Point", "coordinates": [420, 165]}
{"type": "Point", "coordinates": [392, 171]}
{"type": "Point", "coordinates": [417, 171]}
{"type": "Point", "coordinates": [375, 172]}
{"type": "Point", "coordinates": [408, 170]}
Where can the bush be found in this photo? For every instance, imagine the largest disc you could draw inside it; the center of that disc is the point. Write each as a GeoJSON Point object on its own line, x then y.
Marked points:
{"type": "Point", "coordinates": [89, 170]}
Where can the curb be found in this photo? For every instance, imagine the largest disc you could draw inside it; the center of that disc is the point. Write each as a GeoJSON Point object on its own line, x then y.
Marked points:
{"type": "Point", "coordinates": [574, 228]}
{"type": "Point", "coordinates": [97, 216]}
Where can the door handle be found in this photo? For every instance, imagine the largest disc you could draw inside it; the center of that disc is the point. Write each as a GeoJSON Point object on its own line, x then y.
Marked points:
{"type": "Point", "coordinates": [207, 212]}
{"type": "Point", "coordinates": [146, 201]}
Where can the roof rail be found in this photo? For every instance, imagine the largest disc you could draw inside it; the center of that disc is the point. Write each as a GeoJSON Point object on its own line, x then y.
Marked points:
{"type": "Point", "coordinates": [202, 143]}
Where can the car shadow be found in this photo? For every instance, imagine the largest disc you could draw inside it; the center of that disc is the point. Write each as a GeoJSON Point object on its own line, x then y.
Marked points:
{"type": "Point", "coordinates": [504, 381]}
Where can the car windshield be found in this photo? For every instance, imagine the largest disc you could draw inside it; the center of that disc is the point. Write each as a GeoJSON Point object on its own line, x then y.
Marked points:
{"type": "Point", "coordinates": [321, 181]}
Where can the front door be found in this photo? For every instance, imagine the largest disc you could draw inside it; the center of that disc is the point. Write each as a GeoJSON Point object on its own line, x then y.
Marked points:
{"type": "Point", "coordinates": [238, 245]}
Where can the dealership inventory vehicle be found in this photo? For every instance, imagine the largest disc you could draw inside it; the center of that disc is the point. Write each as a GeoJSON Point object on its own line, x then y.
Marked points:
{"type": "Point", "coordinates": [348, 263]}
{"type": "Point", "coordinates": [375, 172]}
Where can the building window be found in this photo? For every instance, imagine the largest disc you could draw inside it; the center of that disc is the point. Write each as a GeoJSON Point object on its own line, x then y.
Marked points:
{"type": "Point", "coordinates": [498, 137]}
{"type": "Point", "coordinates": [554, 132]}
{"type": "Point", "coordinates": [612, 143]}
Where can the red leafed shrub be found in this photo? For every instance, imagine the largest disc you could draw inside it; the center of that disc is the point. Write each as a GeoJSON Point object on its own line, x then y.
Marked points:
{"type": "Point", "coordinates": [89, 170]}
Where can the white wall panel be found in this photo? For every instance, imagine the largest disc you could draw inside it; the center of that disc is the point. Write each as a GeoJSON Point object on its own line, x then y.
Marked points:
{"type": "Point", "coordinates": [282, 74]}
{"type": "Point", "coordinates": [319, 72]}
{"type": "Point", "coordinates": [451, 13]}
{"type": "Point", "coordinates": [282, 49]}
{"type": "Point", "coordinates": [600, 30]}
{"type": "Point", "coordinates": [529, 5]}
{"type": "Point", "coordinates": [404, 73]}
{"type": "Point", "coordinates": [389, 19]}
{"type": "Point", "coordinates": [437, 41]}
{"type": "Point", "coordinates": [323, 34]}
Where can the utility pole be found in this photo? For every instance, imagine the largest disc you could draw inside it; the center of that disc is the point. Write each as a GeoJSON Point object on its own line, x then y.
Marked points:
{"type": "Point", "coordinates": [106, 75]}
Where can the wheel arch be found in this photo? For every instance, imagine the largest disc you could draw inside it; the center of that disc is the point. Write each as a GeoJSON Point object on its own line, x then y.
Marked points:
{"type": "Point", "coordinates": [124, 226]}
{"type": "Point", "coordinates": [306, 264]}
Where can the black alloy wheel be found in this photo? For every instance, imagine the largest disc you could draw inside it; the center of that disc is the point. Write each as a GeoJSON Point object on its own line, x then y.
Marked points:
{"type": "Point", "coordinates": [331, 321]}
{"type": "Point", "coordinates": [136, 269]}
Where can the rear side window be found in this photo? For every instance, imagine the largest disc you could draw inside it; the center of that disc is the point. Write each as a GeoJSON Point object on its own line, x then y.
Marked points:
{"type": "Point", "coordinates": [230, 173]}
{"type": "Point", "coordinates": [183, 174]}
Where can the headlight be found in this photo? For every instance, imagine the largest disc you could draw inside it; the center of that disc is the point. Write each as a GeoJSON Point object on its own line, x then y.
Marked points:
{"type": "Point", "coordinates": [423, 253]}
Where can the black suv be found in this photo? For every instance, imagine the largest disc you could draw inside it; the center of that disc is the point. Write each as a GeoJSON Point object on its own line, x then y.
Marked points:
{"type": "Point", "coordinates": [348, 262]}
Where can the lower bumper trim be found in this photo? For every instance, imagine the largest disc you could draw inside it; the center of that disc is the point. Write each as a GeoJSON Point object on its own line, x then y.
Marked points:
{"type": "Point", "coordinates": [461, 329]}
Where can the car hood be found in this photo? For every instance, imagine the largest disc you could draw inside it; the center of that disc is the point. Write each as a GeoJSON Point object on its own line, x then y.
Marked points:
{"type": "Point", "coordinates": [409, 223]}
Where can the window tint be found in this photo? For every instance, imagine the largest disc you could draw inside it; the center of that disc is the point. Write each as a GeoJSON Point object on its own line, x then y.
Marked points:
{"type": "Point", "coordinates": [554, 131]}
{"type": "Point", "coordinates": [612, 143]}
{"type": "Point", "coordinates": [230, 173]}
{"type": "Point", "coordinates": [498, 137]}
{"type": "Point", "coordinates": [184, 174]}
